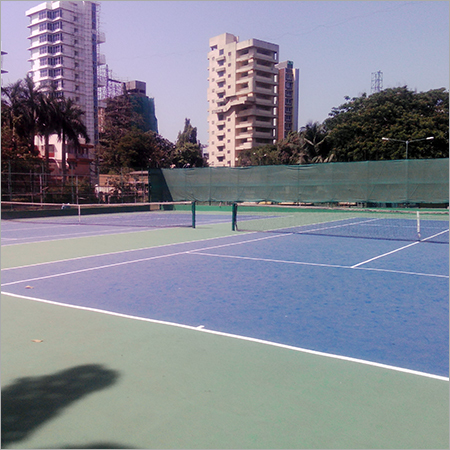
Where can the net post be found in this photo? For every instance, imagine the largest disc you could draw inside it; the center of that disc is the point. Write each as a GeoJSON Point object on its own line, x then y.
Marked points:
{"type": "Point", "coordinates": [418, 225]}
{"type": "Point", "coordinates": [234, 217]}
{"type": "Point", "coordinates": [193, 213]}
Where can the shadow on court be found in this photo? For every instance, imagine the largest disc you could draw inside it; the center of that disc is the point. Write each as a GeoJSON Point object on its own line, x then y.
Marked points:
{"type": "Point", "coordinates": [100, 445]}
{"type": "Point", "coordinates": [29, 402]}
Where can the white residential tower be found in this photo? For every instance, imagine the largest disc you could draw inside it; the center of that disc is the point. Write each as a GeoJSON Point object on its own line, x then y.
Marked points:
{"type": "Point", "coordinates": [64, 53]}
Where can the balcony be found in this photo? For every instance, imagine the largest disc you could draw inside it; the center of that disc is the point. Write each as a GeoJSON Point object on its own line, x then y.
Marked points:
{"type": "Point", "coordinates": [247, 134]}
{"type": "Point", "coordinates": [264, 102]}
{"type": "Point", "coordinates": [263, 124]}
{"type": "Point", "coordinates": [244, 124]}
{"type": "Point", "coordinates": [243, 146]}
{"type": "Point", "coordinates": [263, 134]}
{"type": "Point", "coordinates": [101, 59]}
{"type": "Point", "coordinates": [101, 37]}
{"type": "Point", "coordinates": [266, 68]}
{"type": "Point", "coordinates": [245, 67]}
{"type": "Point", "coordinates": [248, 112]}
{"type": "Point", "coordinates": [263, 57]}
{"type": "Point", "coordinates": [268, 80]}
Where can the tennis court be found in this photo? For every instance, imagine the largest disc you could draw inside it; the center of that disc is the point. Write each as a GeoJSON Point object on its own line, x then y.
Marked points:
{"type": "Point", "coordinates": [211, 338]}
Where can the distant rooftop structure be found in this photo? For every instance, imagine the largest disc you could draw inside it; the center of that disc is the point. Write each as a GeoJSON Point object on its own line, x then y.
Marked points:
{"type": "Point", "coordinates": [136, 87]}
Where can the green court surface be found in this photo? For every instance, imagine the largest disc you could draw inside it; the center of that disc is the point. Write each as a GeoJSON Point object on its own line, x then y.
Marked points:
{"type": "Point", "coordinates": [74, 378]}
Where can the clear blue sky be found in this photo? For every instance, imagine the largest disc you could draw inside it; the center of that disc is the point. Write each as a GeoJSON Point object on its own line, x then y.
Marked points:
{"type": "Point", "coordinates": [337, 45]}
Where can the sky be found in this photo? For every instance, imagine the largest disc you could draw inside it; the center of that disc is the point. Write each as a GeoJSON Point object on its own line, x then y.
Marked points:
{"type": "Point", "coordinates": [336, 45]}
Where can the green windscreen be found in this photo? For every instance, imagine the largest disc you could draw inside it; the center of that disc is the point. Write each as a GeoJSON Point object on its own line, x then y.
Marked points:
{"type": "Point", "coordinates": [404, 181]}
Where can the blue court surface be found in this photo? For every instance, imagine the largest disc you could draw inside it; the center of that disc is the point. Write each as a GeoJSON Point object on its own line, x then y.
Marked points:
{"type": "Point", "coordinates": [381, 303]}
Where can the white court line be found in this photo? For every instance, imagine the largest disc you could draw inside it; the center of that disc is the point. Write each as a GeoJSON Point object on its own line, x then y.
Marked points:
{"type": "Point", "coordinates": [397, 250]}
{"type": "Point", "coordinates": [139, 250]}
{"type": "Point", "coordinates": [384, 254]}
{"type": "Point", "coordinates": [106, 266]}
{"type": "Point", "coordinates": [200, 252]}
{"type": "Point", "coordinates": [235, 336]}
{"type": "Point", "coordinates": [91, 269]}
{"type": "Point", "coordinates": [77, 235]}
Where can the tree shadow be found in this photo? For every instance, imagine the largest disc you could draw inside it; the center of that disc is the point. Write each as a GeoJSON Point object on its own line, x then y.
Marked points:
{"type": "Point", "coordinates": [29, 402]}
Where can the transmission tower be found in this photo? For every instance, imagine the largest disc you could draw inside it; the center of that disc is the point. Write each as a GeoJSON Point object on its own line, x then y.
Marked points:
{"type": "Point", "coordinates": [377, 82]}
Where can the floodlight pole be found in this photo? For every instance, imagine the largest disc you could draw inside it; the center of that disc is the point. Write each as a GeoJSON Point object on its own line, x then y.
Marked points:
{"type": "Point", "coordinates": [429, 138]}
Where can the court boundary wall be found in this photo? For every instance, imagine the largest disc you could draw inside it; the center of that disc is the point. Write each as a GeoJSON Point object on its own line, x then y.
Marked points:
{"type": "Point", "coordinates": [418, 181]}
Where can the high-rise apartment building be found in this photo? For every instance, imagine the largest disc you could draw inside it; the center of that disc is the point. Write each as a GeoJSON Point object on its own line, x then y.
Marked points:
{"type": "Point", "coordinates": [64, 53]}
{"type": "Point", "coordinates": [241, 96]}
{"type": "Point", "coordinates": [288, 93]}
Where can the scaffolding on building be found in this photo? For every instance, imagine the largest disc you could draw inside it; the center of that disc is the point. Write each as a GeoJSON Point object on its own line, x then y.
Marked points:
{"type": "Point", "coordinates": [377, 82]}
{"type": "Point", "coordinates": [110, 85]}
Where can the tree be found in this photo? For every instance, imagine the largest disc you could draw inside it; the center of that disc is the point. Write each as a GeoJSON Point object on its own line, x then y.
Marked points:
{"type": "Point", "coordinates": [292, 150]}
{"type": "Point", "coordinates": [316, 143]}
{"type": "Point", "coordinates": [20, 109]}
{"type": "Point", "coordinates": [70, 127]}
{"type": "Point", "coordinates": [188, 135]}
{"type": "Point", "coordinates": [30, 109]}
{"type": "Point", "coordinates": [135, 150]}
{"type": "Point", "coordinates": [48, 120]}
{"type": "Point", "coordinates": [355, 128]}
{"type": "Point", "coordinates": [188, 151]}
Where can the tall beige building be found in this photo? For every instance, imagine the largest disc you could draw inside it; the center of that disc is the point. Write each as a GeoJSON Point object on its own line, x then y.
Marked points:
{"type": "Point", "coordinates": [242, 97]}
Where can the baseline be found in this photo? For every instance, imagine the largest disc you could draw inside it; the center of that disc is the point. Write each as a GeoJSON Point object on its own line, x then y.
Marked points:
{"type": "Point", "coordinates": [234, 336]}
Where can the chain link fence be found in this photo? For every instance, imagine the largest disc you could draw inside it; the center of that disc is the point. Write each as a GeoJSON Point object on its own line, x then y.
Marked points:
{"type": "Point", "coordinates": [36, 187]}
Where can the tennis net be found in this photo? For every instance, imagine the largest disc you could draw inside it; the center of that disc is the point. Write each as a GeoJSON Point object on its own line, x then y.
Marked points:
{"type": "Point", "coordinates": [403, 225]}
{"type": "Point", "coordinates": [150, 215]}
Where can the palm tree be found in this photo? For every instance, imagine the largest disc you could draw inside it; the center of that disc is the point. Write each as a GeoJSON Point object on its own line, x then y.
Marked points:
{"type": "Point", "coordinates": [70, 127]}
{"type": "Point", "coordinates": [30, 109]}
{"type": "Point", "coordinates": [21, 103]}
{"type": "Point", "coordinates": [10, 113]}
{"type": "Point", "coordinates": [315, 135]}
{"type": "Point", "coordinates": [48, 121]}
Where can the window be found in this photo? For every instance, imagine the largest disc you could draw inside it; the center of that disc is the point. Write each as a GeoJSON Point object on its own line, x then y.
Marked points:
{"type": "Point", "coordinates": [56, 26]}
{"type": "Point", "coordinates": [221, 51]}
{"type": "Point", "coordinates": [43, 73]}
{"type": "Point", "coordinates": [55, 61]}
{"type": "Point", "coordinates": [54, 14]}
{"type": "Point", "coordinates": [55, 72]}
{"type": "Point", "coordinates": [43, 50]}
